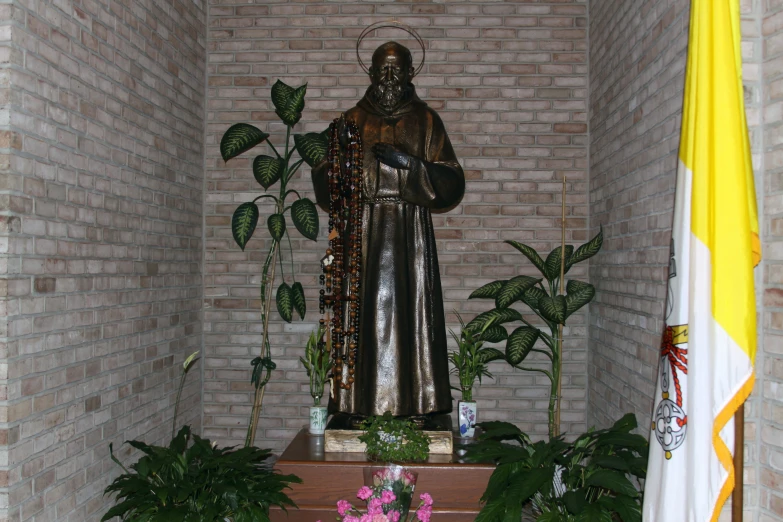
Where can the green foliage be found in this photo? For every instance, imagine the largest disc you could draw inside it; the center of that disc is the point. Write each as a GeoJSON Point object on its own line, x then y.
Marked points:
{"type": "Point", "coordinates": [277, 169]}
{"type": "Point", "coordinates": [305, 218]}
{"type": "Point", "coordinates": [470, 360]}
{"type": "Point", "coordinates": [397, 440]}
{"type": "Point", "coordinates": [318, 363]}
{"type": "Point", "coordinates": [243, 223]}
{"type": "Point", "coordinates": [198, 482]}
{"type": "Point", "coordinates": [590, 479]}
{"type": "Point", "coordinates": [240, 138]}
{"type": "Point", "coordinates": [313, 146]}
{"type": "Point", "coordinates": [551, 308]}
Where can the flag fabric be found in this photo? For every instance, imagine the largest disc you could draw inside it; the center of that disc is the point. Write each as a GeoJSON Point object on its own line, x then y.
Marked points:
{"type": "Point", "coordinates": [709, 341]}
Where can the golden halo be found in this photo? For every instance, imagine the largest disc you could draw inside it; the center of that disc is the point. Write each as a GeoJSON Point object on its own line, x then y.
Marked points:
{"type": "Point", "coordinates": [393, 25]}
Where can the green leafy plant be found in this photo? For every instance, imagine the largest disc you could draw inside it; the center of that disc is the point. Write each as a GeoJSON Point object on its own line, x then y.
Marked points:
{"type": "Point", "coordinates": [391, 439]}
{"type": "Point", "coordinates": [318, 363]}
{"type": "Point", "coordinates": [548, 303]}
{"type": "Point", "coordinates": [196, 482]}
{"type": "Point", "coordinates": [588, 480]}
{"type": "Point", "coordinates": [289, 103]}
{"type": "Point", "coordinates": [471, 358]}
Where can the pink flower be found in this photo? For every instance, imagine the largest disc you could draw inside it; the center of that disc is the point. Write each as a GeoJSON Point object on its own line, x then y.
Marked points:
{"type": "Point", "coordinates": [387, 497]}
{"type": "Point", "coordinates": [350, 518]}
{"type": "Point", "coordinates": [426, 498]}
{"type": "Point", "coordinates": [364, 493]}
{"type": "Point", "coordinates": [393, 516]}
{"type": "Point", "coordinates": [379, 517]}
{"type": "Point", "coordinates": [408, 478]}
{"type": "Point", "coordinates": [424, 513]}
{"type": "Point", "coordinates": [343, 507]}
{"type": "Point", "coordinates": [374, 506]}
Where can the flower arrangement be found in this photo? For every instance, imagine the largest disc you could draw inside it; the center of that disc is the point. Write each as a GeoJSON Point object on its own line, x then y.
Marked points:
{"type": "Point", "coordinates": [318, 363]}
{"type": "Point", "coordinates": [470, 361]}
{"type": "Point", "coordinates": [390, 439]}
{"type": "Point", "coordinates": [388, 496]}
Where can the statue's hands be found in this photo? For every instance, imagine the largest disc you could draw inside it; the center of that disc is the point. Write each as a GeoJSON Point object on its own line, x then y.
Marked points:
{"type": "Point", "coordinates": [391, 156]}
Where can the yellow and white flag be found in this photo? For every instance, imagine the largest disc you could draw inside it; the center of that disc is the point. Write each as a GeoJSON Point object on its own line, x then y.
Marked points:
{"type": "Point", "coordinates": [709, 342]}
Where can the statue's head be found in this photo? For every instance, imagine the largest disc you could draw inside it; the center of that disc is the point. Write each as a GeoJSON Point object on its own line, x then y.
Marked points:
{"type": "Point", "coordinates": [391, 74]}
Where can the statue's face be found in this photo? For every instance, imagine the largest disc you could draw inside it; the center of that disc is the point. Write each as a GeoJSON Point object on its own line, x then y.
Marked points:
{"type": "Point", "coordinates": [391, 73]}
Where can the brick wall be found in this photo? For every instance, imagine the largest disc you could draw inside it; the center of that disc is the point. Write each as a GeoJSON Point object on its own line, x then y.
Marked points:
{"type": "Point", "coordinates": [770, 386]}
{"type": "Point", "coordinates": [509, 80]}
{"type": "Point", "coordinates": [101, 205]}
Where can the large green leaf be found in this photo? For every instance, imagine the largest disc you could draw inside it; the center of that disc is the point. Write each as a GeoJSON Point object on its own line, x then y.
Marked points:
{"type": "Point", "coordinates": [498, 316]}
{"type": "Point", "coordinates": [487, 355]}
{"type": "Point", "coordinates": [531, 254]}
{"type": "Point", "coordinates": [239, 138]}
{"type": "Point", "coordinates": [626, 423]}
{"type": "Point", "coordinates": [494, 334]}
{"type": "Point", "coordinates": [498, 482]}
{"type": "Point", "coordinates": [578, 295]}
{"type": "Point", "coordinates": [488, 291]}
{"type": "Point", "coordinates": [492, 511]}
{"type": "Point", "coordinates": [628, 508]}
{"type": "Point", "coordinates": [552, 263]}
{"type": "Point", "coordinates": [243, 223]}
{"type": "Point", "coordinates": [289, 102]}
{"type": "Point", "coordinates": [587, 250]}
{"type": "Point", "coordinates": [298, 297]}
{"type": "Point", "coordinates": [285, 303]}
{"type": "Point", "coordinates": [276, 225]}
{"type": "Point", "coordinates": [512, 291]}
{"type": "Point", "coordinates": [614, 481]}
{"type": "Point", "coordinates": [305, 218]}
{"type": "Point", "coordinates": [575, 501]}
{"type": "Point", "coordinates": [524, 485]}
{"type": "Point", "coordinates": [553, 308]}
{"type": "Point", "coordinates": [313, 146]}
{"type": "Point", "coordinates": [532, 296]}
{"type": "Point", "coordinates": [519, 344]}
{"type": "Point", "coordinates": [594, 513]}
{"type": "Point", "coordinates": [267, 170]}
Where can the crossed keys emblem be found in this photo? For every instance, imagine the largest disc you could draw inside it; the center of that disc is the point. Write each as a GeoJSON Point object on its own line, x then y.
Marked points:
{"type": "Point", "coordinates": [670, 424]}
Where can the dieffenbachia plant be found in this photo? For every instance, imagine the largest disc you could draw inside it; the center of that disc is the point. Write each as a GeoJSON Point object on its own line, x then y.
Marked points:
{"type": "Point", "coordinates": [268, 170]}
{"type": "Point", "coordinates": [546, 302]}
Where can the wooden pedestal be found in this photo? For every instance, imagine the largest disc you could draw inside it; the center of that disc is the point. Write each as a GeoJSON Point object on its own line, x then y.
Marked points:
{"type": "Point", "coordinates": [328, 477]}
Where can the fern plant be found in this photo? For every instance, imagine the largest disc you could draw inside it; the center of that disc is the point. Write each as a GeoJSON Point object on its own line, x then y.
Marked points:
{"type": "Point", "coordinates": [547, 303]}
{"type": "Point", "coordinates": [268, 170]}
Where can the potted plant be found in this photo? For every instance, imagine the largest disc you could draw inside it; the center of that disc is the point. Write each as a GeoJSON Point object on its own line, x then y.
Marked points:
{"type": "Point", "coordinates": [470, 362]}
{"type": "Point", "coordinates": [318, 363]}
{"type": "Point", "coordinates": [268, 170]}
{"type": "Point", "coordinates": [383, 503]}
{"type": "Point", "coordinates": [192, 480]}
{"type": "Point", "coordinates": [591, 478]}
{"type": "Point", "coordinates": [550, 303]}
{"type": "Point", "coordinates": [394, 441]}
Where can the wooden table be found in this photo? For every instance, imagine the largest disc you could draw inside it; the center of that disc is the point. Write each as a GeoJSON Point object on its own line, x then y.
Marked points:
{"type": "Point", "coordinates": [328, 477]}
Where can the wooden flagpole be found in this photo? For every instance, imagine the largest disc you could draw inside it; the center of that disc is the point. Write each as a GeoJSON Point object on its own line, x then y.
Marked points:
{"type": "Point", "coordinates": [739, 464]}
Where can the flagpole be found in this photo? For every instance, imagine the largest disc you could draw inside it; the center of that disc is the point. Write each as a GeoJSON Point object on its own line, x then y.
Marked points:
{"type": "Point", "coordinates": [739, 464]}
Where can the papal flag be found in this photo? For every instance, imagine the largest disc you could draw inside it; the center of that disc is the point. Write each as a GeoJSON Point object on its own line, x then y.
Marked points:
{"type": "Point", "coordinates": [709, 341]}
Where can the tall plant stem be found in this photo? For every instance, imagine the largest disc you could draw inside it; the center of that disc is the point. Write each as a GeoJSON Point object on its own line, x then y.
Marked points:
{"type": "Point", "coordinates": [559, 361]}
{"type": "Point", "coordinates": [176, 404]}
{"type": "Point", "coordinates": [266, 295]}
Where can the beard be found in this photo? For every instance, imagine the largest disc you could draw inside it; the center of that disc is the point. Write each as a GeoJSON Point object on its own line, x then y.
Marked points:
{"type": "Point", "coordinates": [388, 95]}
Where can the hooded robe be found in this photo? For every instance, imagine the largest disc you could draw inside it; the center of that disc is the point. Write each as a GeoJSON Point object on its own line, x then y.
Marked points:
{"type": "Point", "coordinates": [402, 360]}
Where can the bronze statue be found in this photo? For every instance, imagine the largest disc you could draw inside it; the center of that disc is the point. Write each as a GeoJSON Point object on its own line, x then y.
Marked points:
{"type": "Point", "coordinates": [409, 171]}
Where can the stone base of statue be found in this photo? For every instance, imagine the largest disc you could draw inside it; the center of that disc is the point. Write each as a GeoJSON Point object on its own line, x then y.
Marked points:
{"type": "Point", "coordinates": [455, 486]}
{"type": "Point", "coordinates": [343, 432]}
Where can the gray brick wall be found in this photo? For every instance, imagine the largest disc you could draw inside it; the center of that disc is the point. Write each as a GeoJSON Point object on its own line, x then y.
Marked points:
{"type": "Point", "coordinates": [509, 81]}
{"type": "Point", "coordinates": [101, 202]}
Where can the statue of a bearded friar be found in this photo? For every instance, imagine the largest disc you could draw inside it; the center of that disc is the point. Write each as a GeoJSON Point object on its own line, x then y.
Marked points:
{"type": "Point", "coordinates": [409, 171]}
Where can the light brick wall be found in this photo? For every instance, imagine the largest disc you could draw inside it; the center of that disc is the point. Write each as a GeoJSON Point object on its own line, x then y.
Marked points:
{"type": "Point", "coordinates": [770, 369]}
{"type": "Point", "coordinates": [637, 65]}
{"type": "Point", "coordinates": [101, 201]}
{"type": "Point", "coordinates": [509, 80]}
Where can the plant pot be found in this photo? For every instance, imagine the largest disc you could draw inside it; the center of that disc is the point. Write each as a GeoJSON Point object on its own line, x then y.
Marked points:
{"type": "Point", "coordinates": [467, 418]}
{"type": "Point", "coordinates": [395, 478]}
{"type": "Point", "coordinates": [317, 420]}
